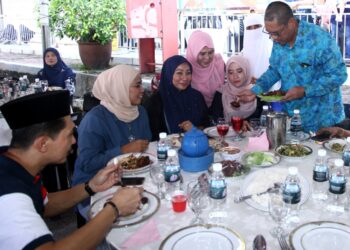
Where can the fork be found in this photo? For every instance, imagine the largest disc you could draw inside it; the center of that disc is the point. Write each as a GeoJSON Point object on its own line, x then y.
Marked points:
{"type": "Point", "coordinates": [283, 242]}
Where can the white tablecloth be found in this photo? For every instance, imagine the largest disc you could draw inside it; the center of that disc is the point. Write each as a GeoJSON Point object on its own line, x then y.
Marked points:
{"type": "Point", "coordinates": [242, 218]}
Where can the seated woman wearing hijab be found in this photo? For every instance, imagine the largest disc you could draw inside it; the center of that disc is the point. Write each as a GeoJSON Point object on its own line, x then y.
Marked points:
{"type": "Point", "coordinates": [176, 107]}
{"type": "Point", "coordinates": [208, 68]}
{"type": "Point", "coordinates": [56, 72]}
{"type": "Point", "coordinates": [238, 78]}
{"type": "Point", "coordinates": [118, 125]}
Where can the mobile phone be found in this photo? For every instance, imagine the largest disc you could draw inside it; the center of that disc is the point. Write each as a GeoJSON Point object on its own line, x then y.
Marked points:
{"type": "Point", "coordinates": [322, 137]}
{"type": "Point", "coordinates": [133, 181]}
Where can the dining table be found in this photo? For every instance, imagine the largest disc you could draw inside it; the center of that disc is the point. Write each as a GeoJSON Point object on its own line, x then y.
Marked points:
{"type": "Point", "coordinates": [245, 220]}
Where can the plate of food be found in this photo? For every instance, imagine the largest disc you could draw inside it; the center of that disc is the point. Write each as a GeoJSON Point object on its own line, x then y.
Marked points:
{"type": "Point", "coordinates": [203, 236]}
{"type": "Point", "coordinates": [134, 163]}
{"type": "Point", "coordinates": [322, 235]}
{"type": "Point", "coordinates": [232, 168]}
{"type": "Point", "coordinates": [150, 205]}
{"type": "Point", "coordinates": [262, 179]}
{"type": "Point", "coordinates": [230, 153]}
{"type": "Point", "coordinates": [260, 159]}
{"type": "Point", "coordinates": [213, 132]}
{"type": "Point", "coordinates": [335, 145]}
{"type": "Point", "coordinates": [293, 151]}
{"type": "Point", "coordinates": [272, 96]}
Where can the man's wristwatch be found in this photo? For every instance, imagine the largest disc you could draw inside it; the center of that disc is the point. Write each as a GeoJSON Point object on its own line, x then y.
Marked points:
{"type": "Point", "coordinates": [88, 189]}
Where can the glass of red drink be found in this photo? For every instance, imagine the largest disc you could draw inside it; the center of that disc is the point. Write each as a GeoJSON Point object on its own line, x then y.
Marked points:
{"type": "Point", "coordinates": [222, 128]}
{"type": "Point", "coordinates": [237, 123]}
{"type": "Point", "coordinates": [179, 200]}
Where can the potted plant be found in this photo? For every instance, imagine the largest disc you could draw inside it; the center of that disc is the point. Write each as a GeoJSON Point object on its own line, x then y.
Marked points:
{"type": "Point", "coordinates": [92, 23]}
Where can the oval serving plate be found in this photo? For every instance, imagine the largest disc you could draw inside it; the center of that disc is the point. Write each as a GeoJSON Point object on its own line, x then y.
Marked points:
{"type": "Point", "coordinates": [329, 145]}
{"type": "Point", "coordinates": [260, 180]}
{"type": "Point", "coordinates": [260, 159]}
{"type": "Point", "coordinates": [321, 235]}
{"type": "Point", "coordinates": [127, 172]}
{"type": "Point", "coordinates": [294, 151]}
{"type": "Point", "coordinates": [213, 132]}
{"type": "Point", "coordinates": [203, 236]}
{"type": "Point", "coordinates": [146, 211]}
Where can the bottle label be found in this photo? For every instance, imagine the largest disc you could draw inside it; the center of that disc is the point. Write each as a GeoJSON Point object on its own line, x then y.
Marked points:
{"type": "Point", "coordinates": [295, 127]}
{"type": "Point", "coordinates": [172, 173]}
{"type": "Point", "coordinates": [291, 197]}
{"type": "Point", "coordinates": [162, 154]}
{"type": "Point", "coordinates": [320, 176]}
{"type": "Point", "coordinates": [263, 121]}
{"type": "Point", "coordinates": [346, 158]}
{"type": "Point", "coordinates": [336, 187]}
{"type": "Point", "coordinates": [217, 189]}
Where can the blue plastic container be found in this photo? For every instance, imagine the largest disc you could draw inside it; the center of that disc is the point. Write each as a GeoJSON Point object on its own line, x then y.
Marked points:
{"type": "Point", "coordinates": [196, 164]}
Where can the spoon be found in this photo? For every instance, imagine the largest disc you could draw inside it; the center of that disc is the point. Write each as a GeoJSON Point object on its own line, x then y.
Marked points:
{"type": "Point", "coordinates": [276, 187]}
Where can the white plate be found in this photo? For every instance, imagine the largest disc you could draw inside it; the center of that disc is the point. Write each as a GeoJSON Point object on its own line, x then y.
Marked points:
{"type": "Point", "coordinates": [321, 235]}
{"type": "Point", "coordinates": [147, 210]}
{"type": "Point", "coordinates": [262, 179]}
{"type": "Point", "coordinates": [128, 172]}
{"type": "Point", "coordinates": [302, 136]}
{"type": "Point", "coordinates": [276, 159]}
{"type": "Point", "coordinates": [328, 144]}
{"type": "Point", "coordinates": [212, 132]}
{"type": "Point", "coordinates": [199, 237]}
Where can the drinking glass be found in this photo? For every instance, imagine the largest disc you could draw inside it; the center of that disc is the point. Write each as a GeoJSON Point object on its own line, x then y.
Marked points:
{"type": "Point", "coordinates": [157, 175]}
{"type": "Point", "coordinates": [237, 123]}
{"type": "Point", "coordinates": [196, 200]}
{"type": "Point", "coordinates": [222, 128]}
{"type": "Point", "coordinates": [278, 210]}
{"type": "Point", "coordinates": [255, 125]}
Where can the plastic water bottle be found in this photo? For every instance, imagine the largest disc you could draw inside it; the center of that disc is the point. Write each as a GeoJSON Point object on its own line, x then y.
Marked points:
{"type": "Point", "coordinates": [337, 186]}
{"type": "Point", "coordinates": [162, 147]}
{"type": "Point", "coordinates": [346, 157]}
{"type": "Point", "coordinates": [26, 81]}
{"type": "Point", "coordinates": [292, 194]}
{"type": "Point", "coordinates": [172, 173]}
{"type": "Point", "coordinates": [320, 177]}
{"type": "Point", "coordinates": [217, 186]}
{"type": "Point", "coordinates": [295, 123]}
{"type": "Point", "coordinates": [263, 116]}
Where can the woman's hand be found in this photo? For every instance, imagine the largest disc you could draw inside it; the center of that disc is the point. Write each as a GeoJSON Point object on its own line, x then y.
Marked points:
{"type": "Point", "coordinates": [246, 126]}
{"type": "Point", "coordinates": [135, 146]}
{"type": "Point", "coordinates": [186, 125]}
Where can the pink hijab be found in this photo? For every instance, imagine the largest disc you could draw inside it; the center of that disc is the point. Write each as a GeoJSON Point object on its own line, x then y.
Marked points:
{"type": "Point", "coordinates": [112, 88]}
{"type": "Point", "coordinates": [229, 91]}
{"type": "Point", "coordinates": [205, 80]}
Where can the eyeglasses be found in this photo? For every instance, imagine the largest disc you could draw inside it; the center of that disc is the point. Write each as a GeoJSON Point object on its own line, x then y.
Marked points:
{"type": "Point", "coordinates": [275, 34]}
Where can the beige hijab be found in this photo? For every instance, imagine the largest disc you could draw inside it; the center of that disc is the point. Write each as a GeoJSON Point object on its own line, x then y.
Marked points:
{"type": "Point", "coordinates": [112, 88]}
{"type": "Point", "coordinates": [229, 91]}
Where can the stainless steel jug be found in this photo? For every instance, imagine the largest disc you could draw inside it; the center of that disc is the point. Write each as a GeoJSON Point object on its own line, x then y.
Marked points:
{"type": "Point", "coordinates": [276, 128]}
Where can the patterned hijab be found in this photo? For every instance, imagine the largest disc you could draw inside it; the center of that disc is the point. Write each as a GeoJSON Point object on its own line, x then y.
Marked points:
{"type": "Point", "coordinates": [112, 88]}
{"type": "Point", "coordinates": [229, 91]}
{"type": "Point", "coordinates": [179, 105]}
{"type": "Point", "coordinates": [205, 80]}
{"type": "Point", "coordinates": [58, 73]}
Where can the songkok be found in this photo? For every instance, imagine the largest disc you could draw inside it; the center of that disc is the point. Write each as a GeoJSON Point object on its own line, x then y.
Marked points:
{"type": "Point", "coordinates": [36, 108]}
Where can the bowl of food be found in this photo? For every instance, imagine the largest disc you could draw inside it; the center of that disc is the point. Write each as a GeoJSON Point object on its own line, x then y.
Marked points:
{"type": "Point", "coordinates": [260, 159]}
{"type": "Point", "coordinates": [335, 145]}
{"type": "Point", "coordinates": [232, 168]}
{"type": "Point", "coordinates": [230, 153]}
{"type": "Point", "coordinates": [293, 151]}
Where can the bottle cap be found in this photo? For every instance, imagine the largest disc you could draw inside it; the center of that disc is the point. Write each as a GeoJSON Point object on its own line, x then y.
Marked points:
{"type": "Point", "coordinates": [171, 152]}
{"type": "Point", "coordinates": [21, 78]}
{"type": "Point", "coordinates": [36, 79]}
{"type": "Point", "coordinates": [217, 167]}
{"type": "Point", "coordinates": [293, 171]}
{"type": "Point", "coordinates": [347, 139]}
{"type": "Point", "coordinates": [338, 162]}
{"type": "Point", "coordinates": [265, 107]}
{"type": "Point", "coordinates": [162, 135]}
{"type": "Point", "coordinates": [296, 111]}
{"type": "Point", "coordinates": [322, 152]}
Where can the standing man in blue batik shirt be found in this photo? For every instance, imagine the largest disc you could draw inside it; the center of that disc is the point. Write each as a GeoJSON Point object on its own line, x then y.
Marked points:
{"type": "Point", "coordinates": [308, 62]}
